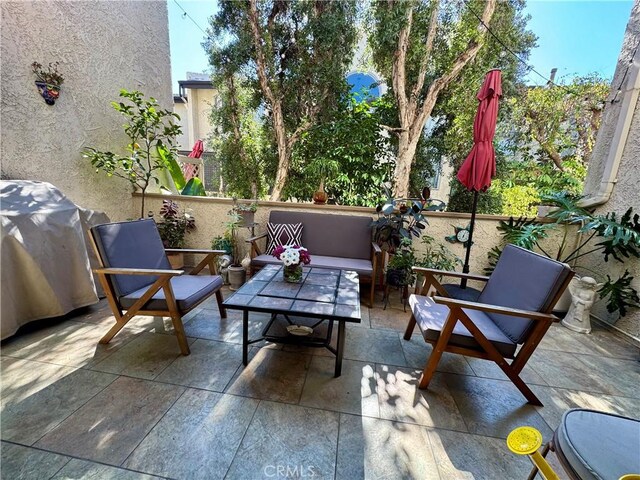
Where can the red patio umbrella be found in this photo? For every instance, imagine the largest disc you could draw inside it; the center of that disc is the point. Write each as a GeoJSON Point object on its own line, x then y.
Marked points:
{"type": "Point", "coordinates": [189, 169]}
{"type": "Point", "coordinates": [480, 165]}
{"type": "Point", "coordinates": [197, 150]}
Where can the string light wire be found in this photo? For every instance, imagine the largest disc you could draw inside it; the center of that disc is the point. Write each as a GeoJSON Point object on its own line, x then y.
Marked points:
{"type": "Point", "coordinates": [191, 18]}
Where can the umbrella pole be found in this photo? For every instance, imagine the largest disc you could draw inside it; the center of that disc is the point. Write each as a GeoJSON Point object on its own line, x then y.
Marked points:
{"type": "Point", "coordinates": [465, 268]}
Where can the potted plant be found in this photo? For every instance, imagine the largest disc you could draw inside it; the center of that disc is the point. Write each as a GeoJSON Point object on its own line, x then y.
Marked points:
{"type": "Point", "coordinates": [48, 81]}
{"type": "Point", "coordinates": [246, 211]}
{"type": "Point", "coordinates": [236, 272]}
{"type": "Point", "coordinates": [399, 219]}
{"type": "Point", "coordinates": [173, 228]}
{"type": "Point", "coordinates": [322, 168]}
{"type": "Point", "coordinates": [152, 144]}
{"type": "Point", "coordinates": [398, 272]}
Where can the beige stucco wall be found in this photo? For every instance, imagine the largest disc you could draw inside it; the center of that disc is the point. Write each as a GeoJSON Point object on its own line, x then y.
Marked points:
{"type": "Point", "coordinates": [195, 116]}
{"type": "Point", "coordinates": [211, 213]}
{"type": "Point", "coordinates": [102, 46]}
{"type": "Point", "coordinates": [626, 191]}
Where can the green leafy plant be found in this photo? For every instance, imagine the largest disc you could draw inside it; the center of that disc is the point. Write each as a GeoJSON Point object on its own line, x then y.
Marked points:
{"type": "Point", "coordinates": [399, 219]}
{"type": "Point", "coordinates": [399, 271]}
{"type": "Point", "coordinates": [152, 143]}
{"type": "Point", "coordinates": [193, 187]}
{"type": "Point", "coordinates": [232, 225]}
{"type": "Point", "coordinates": [223, 243]}
{"type": "Point", "coordinates": [620, 294]}
{"type": "Point", "coordinates": [437, 256]}
{"type": "Point", "coordinates": [50, 75]}
{"type": "Point", "coordinates": [174, 224]}
{"type": "Point", "coordinates": [245, 207]}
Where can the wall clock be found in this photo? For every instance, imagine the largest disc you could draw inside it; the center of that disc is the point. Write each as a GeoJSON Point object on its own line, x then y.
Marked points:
{"type": "Point", "coordinates": [461, 235]}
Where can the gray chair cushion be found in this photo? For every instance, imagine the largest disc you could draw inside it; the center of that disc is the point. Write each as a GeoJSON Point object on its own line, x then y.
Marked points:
{"type": "Point", "coordinates": [331, 235]}
{"type": "Point", "coordinates": [599, 445]}
{"type": "Point", "coordinates": [362, 267]}
{"type": "Point", "coordinates": [189, 290]}
{"type": "Point", "coordinates": [134, 244]}
{"type": "Point", "coordinates": [524, 280]}
{"type": "Point", "coordinates": [431, 316]}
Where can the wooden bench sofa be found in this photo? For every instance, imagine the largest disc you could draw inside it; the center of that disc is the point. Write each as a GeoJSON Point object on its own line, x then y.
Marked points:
{"type": "Point", "coordinates": [333, 240]}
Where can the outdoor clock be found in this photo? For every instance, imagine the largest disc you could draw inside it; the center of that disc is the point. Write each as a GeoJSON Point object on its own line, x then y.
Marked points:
{"type": "Point", "coordinates": [461, 235]}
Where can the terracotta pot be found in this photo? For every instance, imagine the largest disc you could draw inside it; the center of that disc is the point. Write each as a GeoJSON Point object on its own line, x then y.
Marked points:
{"type": "Point", "coordinates": [320, 196]}
{"type": "Point", "coordinates": [176, 260]}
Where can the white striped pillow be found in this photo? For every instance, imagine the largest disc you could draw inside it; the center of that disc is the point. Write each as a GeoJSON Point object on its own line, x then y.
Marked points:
{"type": "Point", "coordinates": [283, 234]}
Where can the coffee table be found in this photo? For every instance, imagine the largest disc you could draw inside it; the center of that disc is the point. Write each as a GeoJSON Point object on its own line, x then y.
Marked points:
{"type": "Point", "coordinates": [301, 313]}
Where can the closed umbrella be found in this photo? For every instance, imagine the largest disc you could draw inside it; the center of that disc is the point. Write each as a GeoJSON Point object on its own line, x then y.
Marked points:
{"type": "Point", "coordinates": [480, 165]}
{"type": "Point", "coordinates": [189, 170]}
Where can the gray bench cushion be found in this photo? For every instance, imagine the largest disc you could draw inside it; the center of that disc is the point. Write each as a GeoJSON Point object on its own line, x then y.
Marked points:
{"type": "Point", "coordinates": [362, 267]}
{"type": "Point", "coordinates": [331, 235]}
{"type": "Point", "coordinates": [134, 244]}
{"type": "Point", "coordinates": [524, 280]}
{"type": "Point", "coordinates": [599, 445]}
{"type": "Point", "coordinates": [189, 290]}
{"type": "Point", "coordinates": [431, 316]}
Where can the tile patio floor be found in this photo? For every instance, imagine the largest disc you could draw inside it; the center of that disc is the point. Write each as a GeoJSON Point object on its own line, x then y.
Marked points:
{"type": "Point", "coordinates": [136, 409]}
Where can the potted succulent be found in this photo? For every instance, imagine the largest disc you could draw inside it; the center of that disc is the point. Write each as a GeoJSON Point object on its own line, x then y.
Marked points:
{"type": "Point", "coordinates": [173, 227]}
{"type": "Point", "coordinates": [48, 81]}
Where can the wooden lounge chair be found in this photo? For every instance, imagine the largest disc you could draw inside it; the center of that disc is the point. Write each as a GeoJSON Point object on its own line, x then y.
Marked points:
{"type": "Point", "coordinates": [138, 280]}
{"type": "Point", "coordinates": [514, 310]}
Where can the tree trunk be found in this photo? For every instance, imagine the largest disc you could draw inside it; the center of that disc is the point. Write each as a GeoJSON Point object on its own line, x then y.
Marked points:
{"type": "Point", "coordinates": [284, 153]}
{"type": "Point", "coordinates": [413, 114]}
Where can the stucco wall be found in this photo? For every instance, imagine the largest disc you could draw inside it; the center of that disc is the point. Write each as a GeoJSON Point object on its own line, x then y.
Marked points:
{"type": "Point", "coordinates": [102, 46]}
{"type": "Point", "coordinates": [211, 213]}
{"type": "Point", "coordinates": [626, 191]}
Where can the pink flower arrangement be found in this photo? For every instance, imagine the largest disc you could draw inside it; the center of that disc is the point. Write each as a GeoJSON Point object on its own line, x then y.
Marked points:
{"type": "Point", "coordinates": [292, 254]}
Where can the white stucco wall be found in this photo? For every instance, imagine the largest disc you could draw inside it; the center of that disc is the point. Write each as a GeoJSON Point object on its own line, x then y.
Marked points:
{"type": "Point", "coordinates": [626, 191]}
{"type": "Point", "coordinates": [102, 46]}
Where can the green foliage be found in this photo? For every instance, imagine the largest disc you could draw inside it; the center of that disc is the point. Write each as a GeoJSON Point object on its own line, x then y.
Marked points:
{"type": "Point", "coordinates": [437, 256]}
{"type": "Point", "coordinates": [232, 225]}
{"type": "Point", "coordinates": [174, 224]}
{"type": "Point", "coordinates": [399, 220]}
{"type": "Point", "coordinates": [352, 144]}
{"type": "Point", "coordinates": [152, 141]}
{"type": "Point", "coordinates": [223, 243]}
{"type": "Point", "coordinates": [399, 271]}
{"type": "Point", "coordinates": [620, 294]}
{"type": "Point", "coordinates": [521, 200]}
{"type": "Point", "coordinates": [305, 50]}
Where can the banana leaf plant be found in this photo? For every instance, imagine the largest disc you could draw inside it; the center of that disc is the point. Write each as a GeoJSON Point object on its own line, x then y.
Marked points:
{"type": "Point", "coordinates": [193, 187]}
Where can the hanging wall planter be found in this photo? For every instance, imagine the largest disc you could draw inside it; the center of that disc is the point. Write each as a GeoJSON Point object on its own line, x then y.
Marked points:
{"type": "Point", "coordinates": [49, 92]}
{"type": "Point", "coordinates": [48, 81]}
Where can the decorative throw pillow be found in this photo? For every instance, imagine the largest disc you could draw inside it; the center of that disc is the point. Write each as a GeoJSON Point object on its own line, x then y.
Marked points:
{"type": "Point", "coordinates": [283, 234]}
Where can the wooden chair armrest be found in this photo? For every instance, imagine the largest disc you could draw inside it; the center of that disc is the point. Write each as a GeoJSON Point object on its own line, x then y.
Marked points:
{"type": "Point", "coordinates": [137, 271]}
{"type": "Point", "coordinates": [257, 237]}
{"type": "Point", "coordinates": [195, 250]}
{"type": "Point", "coordinates": [376, 248]}
{"type": "Point", "coordinates": [434, 271]}
{"type": "Point", "coordinates": [514, 312]}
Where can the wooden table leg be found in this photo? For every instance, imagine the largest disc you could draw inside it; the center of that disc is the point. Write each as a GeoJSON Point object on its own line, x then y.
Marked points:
{"type": "Point", "coordinates": [245, 337]}
{"type": "Point", "coordinates": [340, 350]}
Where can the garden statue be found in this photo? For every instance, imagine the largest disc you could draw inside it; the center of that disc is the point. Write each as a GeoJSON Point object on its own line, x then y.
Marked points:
{"type": "Point", "coordinates": [223, 264]}
{"type": "Point", "coordinates": [583, 294]}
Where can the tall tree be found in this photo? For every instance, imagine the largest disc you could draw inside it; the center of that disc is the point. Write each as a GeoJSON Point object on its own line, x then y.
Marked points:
{"type": "Point", "coordinates": [294, 55]}
{"type": "Point", "coordinates": [421, 46]}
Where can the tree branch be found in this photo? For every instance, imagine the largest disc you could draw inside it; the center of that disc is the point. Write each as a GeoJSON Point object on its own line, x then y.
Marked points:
{"type": "Point", "coordinates": [260, 57]}
{"type": "Point", "coordinates": [463, 59]}
{"type": "Point", "coordinates": [399, 74]}
{"type": "Point", "coordinates": [431, 35]}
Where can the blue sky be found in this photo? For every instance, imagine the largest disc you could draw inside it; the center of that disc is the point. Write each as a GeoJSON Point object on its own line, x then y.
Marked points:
{"type": "Point", "coordinates": [577, 37]}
